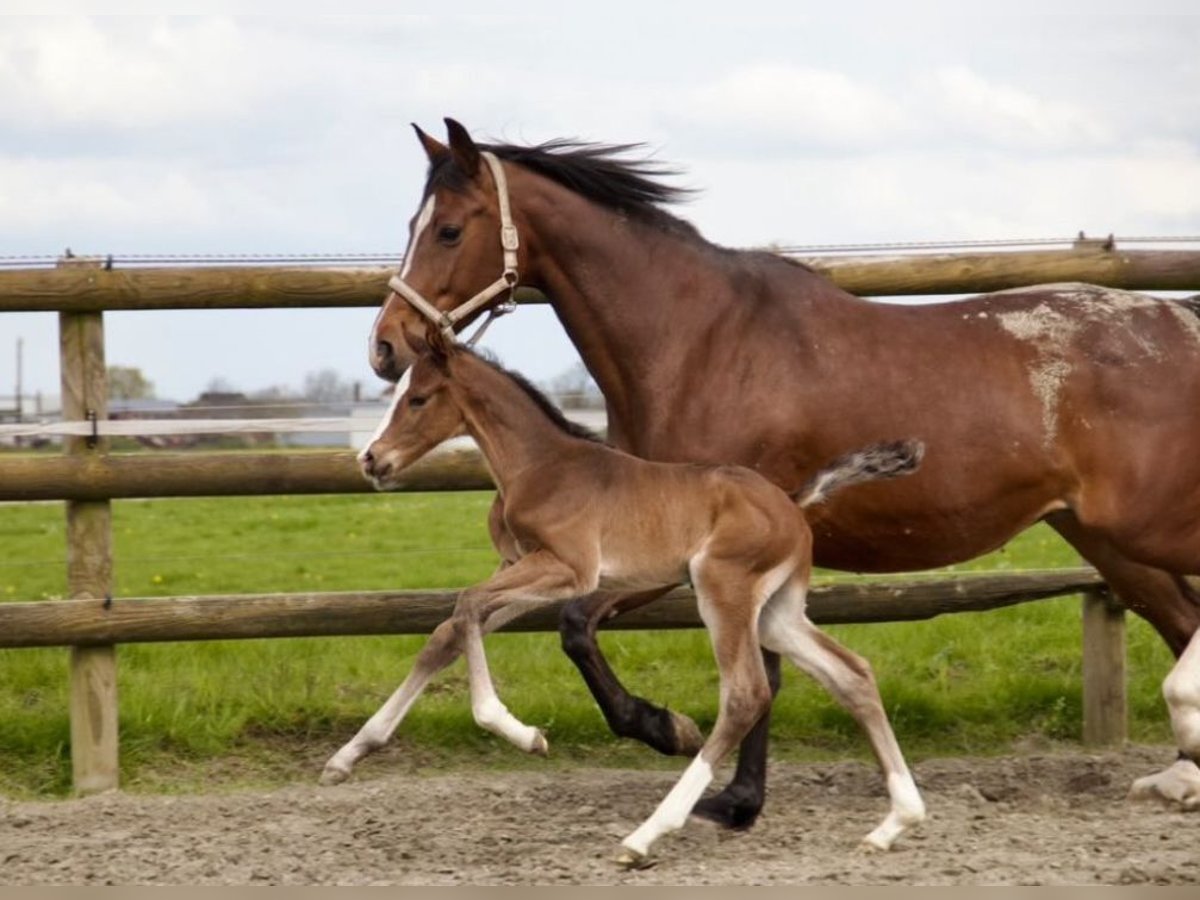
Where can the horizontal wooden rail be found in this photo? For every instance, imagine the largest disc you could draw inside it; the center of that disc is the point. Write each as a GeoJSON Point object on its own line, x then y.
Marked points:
{"type": "Point", "coordinates": [89, 622]}
{"type": "Point", "coordinates": [121, 476]}
{"type": "Point", "coordinates": [86, 288]}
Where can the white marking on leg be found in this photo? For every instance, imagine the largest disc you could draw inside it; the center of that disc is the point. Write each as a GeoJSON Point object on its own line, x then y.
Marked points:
{"type": "Point", "coordinates": [908, 809]}
{"type": "Point", "coordinates": [1181, 690]}
{"type": "Point", "coordinates": [378, 729]}
{"type": "Point", "coordinates": [673, 811]}
{"type": "Point", "coordinates": [490, 713]}
{"type": "Point", "coordinates": [1179, 784]}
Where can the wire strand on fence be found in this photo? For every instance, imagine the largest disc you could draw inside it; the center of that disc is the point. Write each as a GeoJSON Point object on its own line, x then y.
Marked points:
{"type": "Point", "coordinates": [132, 260]}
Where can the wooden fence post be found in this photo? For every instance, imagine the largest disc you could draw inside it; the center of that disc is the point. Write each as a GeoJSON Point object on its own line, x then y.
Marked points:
{"type": "Point", "coordinates": [93, 675]}
{"type": "Point", "coordinates": [1105, 721]}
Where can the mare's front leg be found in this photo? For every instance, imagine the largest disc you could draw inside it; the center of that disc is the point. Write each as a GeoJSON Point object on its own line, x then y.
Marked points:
{"type": "Point", "coordinates": [628, 716]}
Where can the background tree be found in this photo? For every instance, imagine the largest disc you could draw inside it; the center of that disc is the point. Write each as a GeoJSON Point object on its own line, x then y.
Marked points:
{"type": "Point", "coordinates": [327, 386]}
{"type": "Point", "coordinates": [128, 383]}
{"type": "Point", "coordinates": [574, 388]}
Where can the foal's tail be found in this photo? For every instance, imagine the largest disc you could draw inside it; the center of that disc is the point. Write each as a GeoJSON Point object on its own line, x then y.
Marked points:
{"type": "Point", "coordinates": [886, 460]}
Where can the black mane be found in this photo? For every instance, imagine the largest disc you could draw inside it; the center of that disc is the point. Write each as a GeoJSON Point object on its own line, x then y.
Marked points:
{"type": "Point", "coordinates": [601, 172]}
{"type": "Point", "coordinates": [552, 412]}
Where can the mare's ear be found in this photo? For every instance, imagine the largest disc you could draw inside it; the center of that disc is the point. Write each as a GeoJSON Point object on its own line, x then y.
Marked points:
{"type": "Point", "coordinates": [462, 147]}
{"type": "Point", "coordinates": [434, 149]}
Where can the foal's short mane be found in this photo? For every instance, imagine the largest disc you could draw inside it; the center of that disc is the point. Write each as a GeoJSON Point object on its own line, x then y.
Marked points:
{"type": "Point", "coordinates": [552, 412]}
{"type": "Point", "coordinates": [601, 172]}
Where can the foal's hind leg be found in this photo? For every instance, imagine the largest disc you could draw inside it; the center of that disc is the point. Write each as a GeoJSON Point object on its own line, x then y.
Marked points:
{"type": "Point", "coordinates": [784, 628]}
{"type": "Point", "coordinates": [728, 605]}
{"type": "Point", "coordinates": [1172, 606]}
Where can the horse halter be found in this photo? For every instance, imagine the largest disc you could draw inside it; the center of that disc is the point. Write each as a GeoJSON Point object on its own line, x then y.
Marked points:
{"type": "Point", "coordinates": [506, 282]}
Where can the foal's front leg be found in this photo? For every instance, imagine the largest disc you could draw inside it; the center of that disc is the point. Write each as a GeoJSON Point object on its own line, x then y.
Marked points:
{"type": "Point", "coordinates": [533, 581]}
{"type": "Point", "coordinates": [510, 592]}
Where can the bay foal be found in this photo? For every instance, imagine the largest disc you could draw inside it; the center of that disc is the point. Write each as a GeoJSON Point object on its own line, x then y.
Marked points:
{"type": "Point", "coordinates": [578, 515]}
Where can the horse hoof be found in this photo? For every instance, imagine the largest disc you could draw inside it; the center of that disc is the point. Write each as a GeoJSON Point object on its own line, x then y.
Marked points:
{"type": "Point", "coordinates": [633, 860]}
{"type": "Point", "coordinates": [333, 775]}
{"type": "Point", "coordinates": [872, 844]}
{"type": "Point", "coordinates": [1177, 786]}
{"type": "Point", "coordinates": [540, 746]}
{"type": "Point", "coordinates": [688, 737]}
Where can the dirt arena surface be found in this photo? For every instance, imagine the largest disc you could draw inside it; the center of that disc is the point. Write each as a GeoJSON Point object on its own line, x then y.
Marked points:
{"type": "Point", "coordinates": [1050, 818]}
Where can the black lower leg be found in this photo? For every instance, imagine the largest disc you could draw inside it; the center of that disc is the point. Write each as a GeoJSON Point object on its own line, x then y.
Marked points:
{"type": "Point", "coordinates": [740, 802]}
{"type": "Point", "coordinates": [627, 715]}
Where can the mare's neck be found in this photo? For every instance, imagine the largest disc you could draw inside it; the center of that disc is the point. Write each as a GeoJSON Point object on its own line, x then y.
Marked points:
{"type": "Point", "coordinates": [637, 300]}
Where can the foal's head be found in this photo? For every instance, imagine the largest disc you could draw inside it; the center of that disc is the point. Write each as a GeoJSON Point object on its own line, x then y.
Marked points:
{"type": "Point", "coordinates": [424, 412]}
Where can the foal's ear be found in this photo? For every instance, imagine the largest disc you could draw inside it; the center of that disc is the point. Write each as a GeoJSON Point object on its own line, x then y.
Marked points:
{"type": "Point", "coordinates": [416, 343]}
{"type": "Point", "coordinates": [463, 148]}
{"type": "Point", "coordinates": [437, 344]}
{"type": "Point", "coordinates": [434, 149]}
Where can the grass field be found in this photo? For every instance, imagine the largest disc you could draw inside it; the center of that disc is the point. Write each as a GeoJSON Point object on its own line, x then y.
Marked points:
{"type": "Point", "coordinates": [204, 714]}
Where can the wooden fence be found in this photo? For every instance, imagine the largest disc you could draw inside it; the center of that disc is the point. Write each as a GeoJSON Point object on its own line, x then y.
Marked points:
{"type": "Point", "coordinates": [91, 622]}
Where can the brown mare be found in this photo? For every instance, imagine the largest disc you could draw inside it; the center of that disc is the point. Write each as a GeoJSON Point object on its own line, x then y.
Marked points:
{"type": "Point", "coordinates": [1070, 404]}
{"type": "Point", "coordinates": [580, 515]}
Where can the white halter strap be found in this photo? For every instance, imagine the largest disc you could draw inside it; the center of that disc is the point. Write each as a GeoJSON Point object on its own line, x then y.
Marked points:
{"type": "Point", "coordinates": [507, 281]}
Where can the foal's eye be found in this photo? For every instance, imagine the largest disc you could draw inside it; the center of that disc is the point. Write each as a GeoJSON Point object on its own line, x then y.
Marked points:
{"type": "Point", "coordinates": [449, 234]}
{"type": "Point", "coordinates": [416, 402]}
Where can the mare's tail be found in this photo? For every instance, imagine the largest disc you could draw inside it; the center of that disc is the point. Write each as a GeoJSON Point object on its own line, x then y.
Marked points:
{"type": "Point", "coordinates": [887, 460]}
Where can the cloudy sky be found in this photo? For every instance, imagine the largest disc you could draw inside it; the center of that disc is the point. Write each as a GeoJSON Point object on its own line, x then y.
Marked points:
{"type": "Point", "coordinates": [858, 123]}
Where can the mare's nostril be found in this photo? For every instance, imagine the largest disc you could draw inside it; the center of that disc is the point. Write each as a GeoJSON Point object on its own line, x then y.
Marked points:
{"type": "Point", "coordinates": [384, 351]}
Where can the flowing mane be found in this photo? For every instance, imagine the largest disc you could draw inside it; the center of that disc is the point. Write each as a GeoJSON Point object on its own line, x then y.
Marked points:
{"type": "Point", "coordinates": [601, 172]}
{"type": "Point", "coordinates": [552, 412]}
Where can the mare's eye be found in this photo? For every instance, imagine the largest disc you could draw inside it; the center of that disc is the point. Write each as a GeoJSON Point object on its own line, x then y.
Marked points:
{"type": "Point", "coordinates": [416, 402]}
{"type": "Point", "coordinates": [449, 234]}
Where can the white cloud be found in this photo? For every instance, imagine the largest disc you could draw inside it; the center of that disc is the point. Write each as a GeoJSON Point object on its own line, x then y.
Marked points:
{"type": "Point", "coordinates": [797, 106]}
{"type": "Point", "coordinates": [965, 102]}
{"type": "Point", "coordinates": [76, 72]}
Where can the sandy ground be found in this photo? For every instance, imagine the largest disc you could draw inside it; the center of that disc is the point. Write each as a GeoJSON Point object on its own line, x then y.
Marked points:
{"type": "Point", "coordinates": [1036, 819]}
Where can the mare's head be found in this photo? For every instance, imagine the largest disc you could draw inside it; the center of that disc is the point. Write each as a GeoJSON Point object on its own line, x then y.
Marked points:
{"type": "Point", "coordinates": [454, 251]}
{"type": "Point", "coordinates": [461, 250]}
{"type": "Point", "coordinates": [424, 412]}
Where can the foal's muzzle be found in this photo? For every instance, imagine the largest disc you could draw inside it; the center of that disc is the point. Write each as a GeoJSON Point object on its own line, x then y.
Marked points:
{"type": "Point", "coordinates": [377, 471]}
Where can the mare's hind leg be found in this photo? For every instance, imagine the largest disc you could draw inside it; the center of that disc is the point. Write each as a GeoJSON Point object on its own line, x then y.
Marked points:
{"type": "Point", "coordinates": [1172, 606]}
{"type": "Point", "coordinates": [628, 716]}
{"type": "Point", "coordinates": [786, 629]}
{"type": "Point", "coordinates": [667, 731]}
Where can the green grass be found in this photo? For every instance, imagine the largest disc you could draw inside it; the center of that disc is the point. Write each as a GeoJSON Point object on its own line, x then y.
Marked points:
{"type": "Point", "coordinates": [195, 715]}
